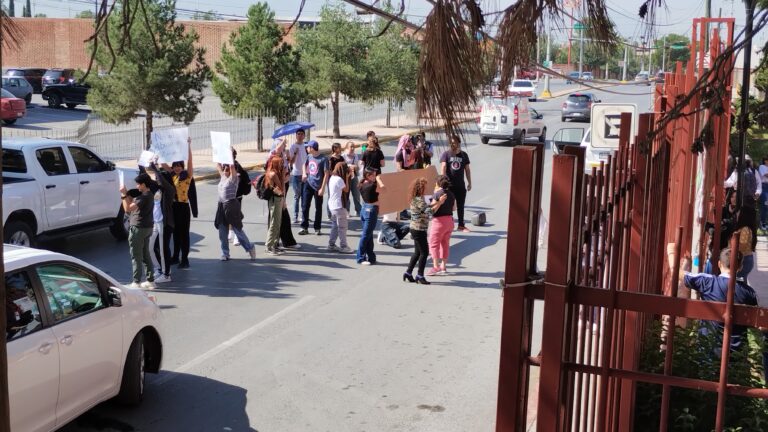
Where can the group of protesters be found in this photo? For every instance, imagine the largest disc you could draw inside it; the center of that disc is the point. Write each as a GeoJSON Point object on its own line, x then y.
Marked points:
{"type": "Point", "coordinates": [161, 206]}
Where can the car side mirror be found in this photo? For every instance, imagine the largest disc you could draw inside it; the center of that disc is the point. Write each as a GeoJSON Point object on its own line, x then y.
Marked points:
{"type": "Point", "coordinates": [110, 165]}
{"type": "Point", "coordinates": [115, 297]}
{"type": "Point", "coordinates": [538, 116]}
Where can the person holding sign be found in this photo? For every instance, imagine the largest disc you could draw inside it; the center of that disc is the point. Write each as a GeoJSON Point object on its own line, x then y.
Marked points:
{"type": "Point", "coordinates": [184, 207]}
{"type": "Point", "coordinates": [315, 178]}
{"type": "Point", "coordinates": [229, 212]}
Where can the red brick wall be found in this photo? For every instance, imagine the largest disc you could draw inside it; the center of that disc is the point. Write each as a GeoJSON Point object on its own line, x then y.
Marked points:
{"type": "Point", "coordinates": [59, 42]}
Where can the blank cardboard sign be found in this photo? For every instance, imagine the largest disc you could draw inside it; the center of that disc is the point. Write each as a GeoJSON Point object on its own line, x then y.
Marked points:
{"type": "Point", "coordinates": [394, 196]}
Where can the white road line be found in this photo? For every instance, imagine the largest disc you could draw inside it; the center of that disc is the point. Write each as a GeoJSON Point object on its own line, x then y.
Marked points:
{"type": "Point", "coordinates": [230, 342]}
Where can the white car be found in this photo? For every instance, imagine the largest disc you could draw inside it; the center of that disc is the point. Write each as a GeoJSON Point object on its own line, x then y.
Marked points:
{"type": "Point", "coordinates": [522, 88]}
{"type": "Point", "coordinates": [76, 337]}
{"type": "Point", "coordinates": [510, 119]}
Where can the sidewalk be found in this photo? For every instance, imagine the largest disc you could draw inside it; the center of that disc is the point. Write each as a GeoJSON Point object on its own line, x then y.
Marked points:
{"type": "Point", "coordinates": [251, 159]}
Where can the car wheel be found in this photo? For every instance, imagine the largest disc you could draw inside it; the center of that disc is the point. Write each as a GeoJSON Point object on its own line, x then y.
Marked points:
{"type": "Point", "coordinates": [119, 227]}
{"type": "Point", "coordinates": [519, 139]}
{"type": "Point", "coordinates": [18, 233]}
{"type": "Point", "coordinates": [9, 121]}
{"type": "Point", "coordinates": [543, 136]}
{"type": "Point", "coordinates": [71, 105]}
{"type": "Point", "coordinates": [28, 99]}
{"type": "Point", "coordinates": [484, 140]}
{"type": "Point", "coordinates": [563, 119]}
{"type": "Point", "coordinates": [54, 100]}
{"type": "Point", "coordinates": [132, 385]}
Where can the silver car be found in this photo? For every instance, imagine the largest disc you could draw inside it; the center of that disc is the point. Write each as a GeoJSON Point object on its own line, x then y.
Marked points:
{"type": "Point", "coordinates": [19, 87]}
{"type": "Point", "coordinates": [578, 106]}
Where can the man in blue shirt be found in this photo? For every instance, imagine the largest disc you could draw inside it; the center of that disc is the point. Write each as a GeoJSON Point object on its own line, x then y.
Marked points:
{"type": "Point", "coordinates": [715, 288]}
{"type": "Point", "coordinates": [314, 177]}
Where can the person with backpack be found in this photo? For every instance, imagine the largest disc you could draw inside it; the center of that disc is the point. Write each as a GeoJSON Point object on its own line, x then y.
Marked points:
{"type": "Point", "coordinates": [315, 177]}
{"type": "Point", "coordinates": [229, 212]}
{"type": "Point", "coordinates": [275, 179]}
{"type": "Point", "coordinates": [243, 188]}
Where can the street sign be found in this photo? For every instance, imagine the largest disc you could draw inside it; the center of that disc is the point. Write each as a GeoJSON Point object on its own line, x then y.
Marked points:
{"type": "Point", "coordinates": [579, 26]}
{"type": "Point", "coordinates": [547, 63]}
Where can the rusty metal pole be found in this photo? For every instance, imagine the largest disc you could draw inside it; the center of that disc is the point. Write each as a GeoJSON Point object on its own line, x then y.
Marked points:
{"type": "Point", "coordinates": [674, 282]}
{"type": "Point", "coordinates": [725, 351]}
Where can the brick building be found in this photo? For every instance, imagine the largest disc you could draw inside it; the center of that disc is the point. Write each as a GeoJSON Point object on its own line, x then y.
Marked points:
{"type": "Point", "coordinates": [59, 42]}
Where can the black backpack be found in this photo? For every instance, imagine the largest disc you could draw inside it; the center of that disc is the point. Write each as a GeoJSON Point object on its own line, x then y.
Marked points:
{"type": "Point", "coordinates": [244, 185]}
{"type": "Point", "coordinates": [262, 191]}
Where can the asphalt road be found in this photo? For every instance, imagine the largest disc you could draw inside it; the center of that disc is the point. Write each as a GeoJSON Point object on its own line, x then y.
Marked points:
{"type": "Point", "coordinates": [310, 341]}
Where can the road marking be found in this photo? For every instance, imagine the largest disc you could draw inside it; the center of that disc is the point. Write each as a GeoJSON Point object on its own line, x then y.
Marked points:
{"type": "Point", "coordinates": [186, 367]}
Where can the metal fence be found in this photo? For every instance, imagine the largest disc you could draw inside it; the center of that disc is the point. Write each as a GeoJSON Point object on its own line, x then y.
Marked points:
{"type": "Point", "coordinates": [125, 141]}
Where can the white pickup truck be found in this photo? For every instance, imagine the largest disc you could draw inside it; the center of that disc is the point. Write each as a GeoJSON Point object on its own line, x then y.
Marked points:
{"type": "Point", "coordinates": [56, 188]}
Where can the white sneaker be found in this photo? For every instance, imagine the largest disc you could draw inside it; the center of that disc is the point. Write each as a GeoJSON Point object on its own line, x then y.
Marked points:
{"type": "Point", "coordinates": [345, 250]}
{"type": "Point", "coordinates": [380, 238]}
{"type": "Point", "coordinates": [365, 263]}
{"type": "Point", "coordinates": [296, 246]}
{"type": "Point", "coordinates": [332, 248]}
{"type": "Point", "coordinates": [147, 285]}
{"type": "Point", "coordinates": [231, 235]}
{"type": "Point", "coordinates": [134, 285]}
{"type": "Point", "coordinates": [236, 242]}
{"type": "Point", "coordinates": [224, 258]}
{"type": "Point", "coordinates": [163, 279]}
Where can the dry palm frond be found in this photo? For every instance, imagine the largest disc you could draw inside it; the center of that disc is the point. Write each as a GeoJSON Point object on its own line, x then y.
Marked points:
{"type": "Point", "coordinates": [10, 32]}
{"type": "Point", "coordinates": [600, 28]}
{"type": "Point", "coordinates": [450, 64]}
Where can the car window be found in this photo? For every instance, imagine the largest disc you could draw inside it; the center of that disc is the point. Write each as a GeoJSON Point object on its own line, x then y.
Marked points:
{"type": "Point", "coordinates": [52, 161]}
{"type": "Point", "coordinates": [21, 307]}
{"type": "Point", "coordinates": [86, 161]}
{"type": "Point", "coordinates": [578, 98]}
{"type": "Point", "coordinates": [13, 161]}
{"type": "Point", "coordinates": [71, 290]}
{"type": "Point", "coordinates": [6, 93]}
{"type": "Point", "coordinates": [522, 84]}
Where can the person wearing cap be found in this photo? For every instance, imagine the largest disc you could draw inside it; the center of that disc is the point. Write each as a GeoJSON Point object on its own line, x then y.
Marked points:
{"type": "Point", "coordinates": [315, 177]}
{"type": "Point", "coordinates": [297, 157]}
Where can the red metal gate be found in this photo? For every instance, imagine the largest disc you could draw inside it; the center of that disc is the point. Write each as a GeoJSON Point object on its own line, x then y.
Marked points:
{"type": "Point", "coordinates": [607, 277]}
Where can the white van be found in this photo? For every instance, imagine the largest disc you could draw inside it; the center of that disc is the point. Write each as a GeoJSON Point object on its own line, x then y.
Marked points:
{"type": "Point", "coordinates": [510, 119]}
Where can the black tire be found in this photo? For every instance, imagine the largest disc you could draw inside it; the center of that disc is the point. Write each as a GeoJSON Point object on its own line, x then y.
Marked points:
{"type": "Point", "coordinates": [54, 100]}
{"type": "Point", "coordinates": [520, 139]}
{"type": "Point", "coordinates": [28, 99]}
{"type": "Point", "coordinates": [543, 136]}
{"type": "Point", "coordinates": [9, 121]}
{"type": "Point", "coordinates": [484, 140]}
{"type": "Point", "coordinates": [119, 228]}
{"type": "Point", "coordinates": [132, 384]}
{"type": "Point", "coordinates": [71, 106]}
{"type": "Point", "coordinates": [19, 233]}
{"type": "Point", "coordinates": [563, 119]}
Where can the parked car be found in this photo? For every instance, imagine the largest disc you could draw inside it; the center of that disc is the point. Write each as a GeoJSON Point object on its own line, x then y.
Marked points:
{"type": "Point", "coordinates": [578, 106]}
{"type": "Point", "coordinates": [526, 73]}
{"type": "Point", "coordinates": [572, 77]}
{"type": "Point", "coordinates": [58, 76]}
{"type": "Point", "coordinates": [660, 77]}
{"type": "Point", "coordinates": [522, 88]}
{"type": "Point", "coordinates": [72, 94]}
{"type": "Point", "coordinates": [587, 76]}
{"type": "Point", "coordinates": [56, 188]}
{"type": "Point", "coordinates": [11, 108]}
{"type": "Point", "coordinates": [643, 78]}
{"type": "Point", "coordinates": [33, 75]}
{"type": "Point", "coordinates": [510, 119]}
{"type": "Point", "coordinates": [19, 87]}
{"type": "Point", "coordinates": [76, 337]}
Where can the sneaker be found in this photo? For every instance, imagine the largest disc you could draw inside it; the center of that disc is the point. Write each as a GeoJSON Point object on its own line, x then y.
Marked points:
{"type": "Point", "coordinates": [442, 272]}
{"type": "Point", "coordinates": [158, 274]}
{"type": "Point", "coordinates": [252, 253]}
{"type": "Point", "coordinates": [134, 285]}
{"type": "Point", "coordinates": [272, 252]}
{"type": "Point", "coordinates": [433, 271]}
{"type": "Point", "coordinates": [303, 232]}
{"type": "Point", "coordinates": [148, 285]}
{"type": "Point", "coordinates": [224, 258]}
{"type": "Point", "coordinates": [345, 250]}
{"type": "Point", "coordinates": [294, 247]}
{"type": "Point", "coordinates": [231, 236]}
{"type": "Point", "coordinates": [365, 263]}
{"type": "Point", "coordinates": [380, 239]}
{"type": "Point", "coordinates": [317, 232]}
{"type": "Point", "coordinates": [464, 229]}
{"type": "Point", "coordinates": [332, 247]}
{"type": "Point", "coordinates": [236, 242]}
{"type": "Point", "coordinates": [163, 279]}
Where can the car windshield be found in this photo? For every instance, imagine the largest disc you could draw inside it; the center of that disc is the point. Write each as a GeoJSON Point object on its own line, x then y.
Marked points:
{"type": "Point", "coordinates": [578, 98]}
{"type": "Point", "coordinates": [6, 93]}
{"type": "Point", "coordinates": [13, 161]}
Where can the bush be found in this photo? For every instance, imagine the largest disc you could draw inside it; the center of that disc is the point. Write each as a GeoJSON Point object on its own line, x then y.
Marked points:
{"type": "Point", "coordinates": [694, 357]}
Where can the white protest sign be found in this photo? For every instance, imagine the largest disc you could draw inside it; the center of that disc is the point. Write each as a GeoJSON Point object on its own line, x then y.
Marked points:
{"type": "Point", "coordinates": [121, 176]}
{"type": "Point", "coordinates": [170, 145]}
{"type": "Point", "coordinates": [146, 158]}
{"type": "Point", "coordinates": [222, 147]}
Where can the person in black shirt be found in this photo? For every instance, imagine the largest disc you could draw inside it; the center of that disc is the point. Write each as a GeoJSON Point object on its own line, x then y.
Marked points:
{"type": "Point", "coordinates": [441, 227]}
{"type": "Point", "coordinates": [373, 157]}
{"type": "Point", "coordinates": [454, 164]}
{"type": "Point", "coordinates": [138, 204]}
{"type": "Point", "coordinates": [369, 193]}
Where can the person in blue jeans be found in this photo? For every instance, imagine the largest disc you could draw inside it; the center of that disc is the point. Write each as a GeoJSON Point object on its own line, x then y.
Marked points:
{"type": "Point", "coordinates": [315, 177]}
{"type": "Point", "coordinates": [297, 157]}
{"type": "Point", "coordinates": [369, 192]}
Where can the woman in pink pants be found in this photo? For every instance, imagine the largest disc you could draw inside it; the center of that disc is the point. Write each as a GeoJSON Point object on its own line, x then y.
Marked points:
{"type": "Point", "coordinates": [441, 228]}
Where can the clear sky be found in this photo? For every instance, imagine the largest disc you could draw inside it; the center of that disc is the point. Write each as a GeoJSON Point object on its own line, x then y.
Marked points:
{"type": "Point", "coordinates": [676, 18]}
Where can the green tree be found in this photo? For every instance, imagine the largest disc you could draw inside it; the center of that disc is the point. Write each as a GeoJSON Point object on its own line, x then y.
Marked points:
{"type": "Point", "coordinates": [393, 65]}
{"type": "Point", "coordinates": [674, 47]}
{"type": "Point", "coordinates": [259, 73]}
{"type": "Point", "coordinates": [205, 16]}
{"type": "Point", "coordinates": [160, 71]}
{"type": "Point", "coordinates": [333, 57]}
{"type": "Point", "coordinates": [88, 14]}
{"type": "Point", "coordinates": [41, 15]}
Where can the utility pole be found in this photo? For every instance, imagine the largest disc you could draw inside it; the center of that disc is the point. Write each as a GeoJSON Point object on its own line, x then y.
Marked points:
{"type": "Point", "coordinates": [642, 53]}
{"type": "Point", "coordinates": [538, 52]}
{"type": "Point", "coordinates": [581, 52]}
{"type": "Point", "coordinates": [548, 63]}
{"type": "Point", "coordinates": [624, 69]}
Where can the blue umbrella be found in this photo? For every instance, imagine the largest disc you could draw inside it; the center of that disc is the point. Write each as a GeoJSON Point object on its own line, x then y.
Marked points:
{"type": "Point", "coordinates": [291, 128]}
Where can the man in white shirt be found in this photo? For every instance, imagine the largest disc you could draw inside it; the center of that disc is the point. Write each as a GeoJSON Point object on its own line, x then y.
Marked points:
{"type": "Point", "coordinates": [753, 183]}
{"type": "Point", "coordinates": [763, 171]}
{"type": "Point", "coordinates": [297, 157]}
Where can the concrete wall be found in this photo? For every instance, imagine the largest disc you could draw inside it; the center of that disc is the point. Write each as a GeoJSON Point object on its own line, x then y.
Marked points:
{"type": "Point", "coordinates": [59, 42]}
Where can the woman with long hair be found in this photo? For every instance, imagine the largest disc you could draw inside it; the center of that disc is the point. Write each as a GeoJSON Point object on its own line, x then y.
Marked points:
{"type": "Point", "coordinates": [373, 157]}
{"type": "Point", "coordinates": [275, 179]}
{"type": "Point", "coordinates": [279, 149]}
{"type": "Point", "coordinates": [338, 196]}
{"type": "Point", "coordinates": [455, 164]}
{"type": "Point", "coordinates": [420, 215]}
{"type": "Point", "coordinates": [442, 226]}
{"type": "Point", "coordinates": [352, 160]}
{"type": "Point", "coordinates": [229, 212]}
{"type": "Point", "coordinates": [369, 192]}
{"type": "Point", "coordinates": [405, 156]}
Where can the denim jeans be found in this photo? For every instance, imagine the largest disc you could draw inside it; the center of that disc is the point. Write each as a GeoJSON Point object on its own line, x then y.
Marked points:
{"type": "Point", "coordinates": [308, 194]}
{"type": "Point", "coordinates": [355, 192]}
{"type": "Point", "coordinates": [224, 239]}
{"type": "Point", "coordinates": [747, 264]}
{"type": "Point", "coordinates": [298, 188]}
{"type": "Point", "coordinates": [369, 215]}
